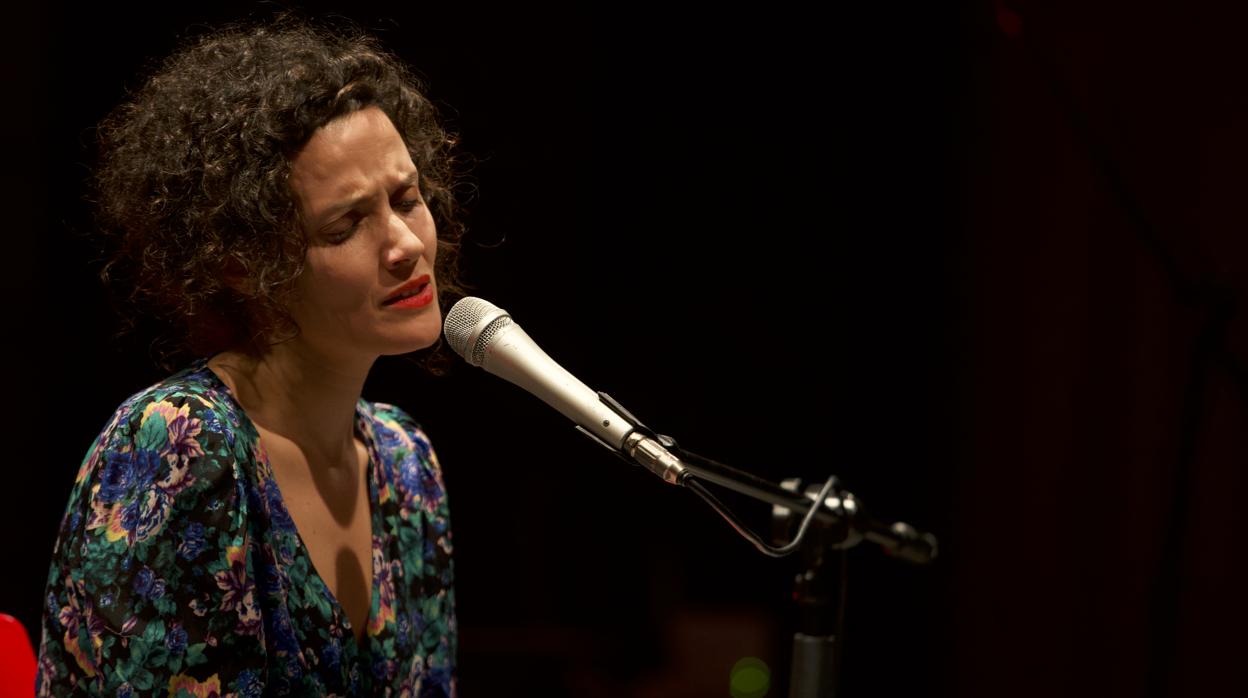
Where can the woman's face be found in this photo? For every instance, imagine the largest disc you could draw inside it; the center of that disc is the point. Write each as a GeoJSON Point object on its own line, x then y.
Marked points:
{"type": "Point", "coordinates": [368, 287]}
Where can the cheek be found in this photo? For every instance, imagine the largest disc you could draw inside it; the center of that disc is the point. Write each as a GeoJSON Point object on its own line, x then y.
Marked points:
{"type": "Point", "coordinates": [333, 285]}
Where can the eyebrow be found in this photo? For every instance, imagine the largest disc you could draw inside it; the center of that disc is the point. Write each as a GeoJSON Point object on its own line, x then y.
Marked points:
{"type": "Point", "coordinates": [331, 214]}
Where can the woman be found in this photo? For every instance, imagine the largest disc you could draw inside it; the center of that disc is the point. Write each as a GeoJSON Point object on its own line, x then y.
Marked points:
{"type": "Point", "coordinates": [249, 525]}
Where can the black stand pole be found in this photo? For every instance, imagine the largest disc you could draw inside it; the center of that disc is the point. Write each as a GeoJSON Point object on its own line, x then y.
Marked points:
{"type": "Point", "coordinates": [816, 663]}
{"type": "Point", "coordinates": [819, 592]}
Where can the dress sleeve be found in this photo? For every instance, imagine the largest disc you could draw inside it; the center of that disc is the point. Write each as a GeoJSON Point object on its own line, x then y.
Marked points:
{"type": "Point", "coordinates": [150, 591]}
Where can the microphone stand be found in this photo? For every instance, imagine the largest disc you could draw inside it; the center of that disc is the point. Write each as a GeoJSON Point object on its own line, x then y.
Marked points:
{"type": "Point", "coordinates": [839, 524]}
{"type": "Point", "coordinates": [821, 586]}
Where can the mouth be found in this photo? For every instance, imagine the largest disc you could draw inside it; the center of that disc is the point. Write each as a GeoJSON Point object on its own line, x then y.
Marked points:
{"type": "Point", "coordinates": [414, 288]}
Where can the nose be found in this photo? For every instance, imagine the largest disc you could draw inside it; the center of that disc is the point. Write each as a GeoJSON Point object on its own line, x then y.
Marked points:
{"type": "Point", "coordinates": [406, 240]}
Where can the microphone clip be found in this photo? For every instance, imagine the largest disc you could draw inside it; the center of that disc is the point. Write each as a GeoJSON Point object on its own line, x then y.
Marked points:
{"type": "Point", "coordinates": [642, 446]}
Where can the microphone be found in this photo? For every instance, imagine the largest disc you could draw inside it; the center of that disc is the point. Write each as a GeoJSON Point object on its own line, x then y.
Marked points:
{"type": "Point", "coordinates": [486, 337]}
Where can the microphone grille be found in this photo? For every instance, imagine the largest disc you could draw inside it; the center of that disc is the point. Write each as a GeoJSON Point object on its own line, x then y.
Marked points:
{"type": "Point", "coordinates": [470, 326]}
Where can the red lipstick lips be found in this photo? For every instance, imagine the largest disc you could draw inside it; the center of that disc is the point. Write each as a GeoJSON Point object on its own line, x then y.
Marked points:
{"type": "Point", "coordinates": [416, 293]}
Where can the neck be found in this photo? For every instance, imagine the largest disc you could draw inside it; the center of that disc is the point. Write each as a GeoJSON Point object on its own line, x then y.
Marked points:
{"type": "Point", "coordinates": [297, 393]}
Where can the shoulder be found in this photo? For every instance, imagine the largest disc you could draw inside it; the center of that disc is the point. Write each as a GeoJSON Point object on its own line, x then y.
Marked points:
{"type": "Point", "coordinates": [178, 413]}
{"type": "Point", "coordinates": [193, 393]}
{"type": "Point", "coordinates": [396, 432]}
{"type": "Point", "coordinates": [409, 465]}
{"type": "Point", "coordinates": [173, 445]}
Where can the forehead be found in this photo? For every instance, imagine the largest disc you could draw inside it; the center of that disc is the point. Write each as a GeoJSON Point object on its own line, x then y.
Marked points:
{"type": "Point", "coordinates": [350, 156]}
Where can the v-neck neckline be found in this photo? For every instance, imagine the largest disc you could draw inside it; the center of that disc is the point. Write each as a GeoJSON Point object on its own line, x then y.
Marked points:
{"type": "Point", "coordinates": [363, 429]}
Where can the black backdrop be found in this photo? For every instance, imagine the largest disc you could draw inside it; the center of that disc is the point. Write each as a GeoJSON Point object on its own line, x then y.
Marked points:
{"type": "Point", "coordinates": [989, 282]}
{"type": "Point", "coordinates": [733, 223]}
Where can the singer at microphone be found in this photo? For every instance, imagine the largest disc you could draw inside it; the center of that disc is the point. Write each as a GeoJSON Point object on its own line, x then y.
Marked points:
{"type": "Point", "coordinates": [276, 195]}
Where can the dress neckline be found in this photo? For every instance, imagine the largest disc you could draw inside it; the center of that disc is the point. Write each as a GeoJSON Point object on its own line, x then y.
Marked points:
{"type": "Point", "coordinates": [363, 429]}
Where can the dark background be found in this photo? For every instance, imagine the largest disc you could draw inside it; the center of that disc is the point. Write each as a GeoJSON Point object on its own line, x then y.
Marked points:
{"type": "Point", "coordinates": [981, 261]}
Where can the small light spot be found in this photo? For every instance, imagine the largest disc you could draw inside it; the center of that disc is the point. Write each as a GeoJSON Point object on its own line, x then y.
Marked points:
{"type": "Point", "coordinates": [749, 678]}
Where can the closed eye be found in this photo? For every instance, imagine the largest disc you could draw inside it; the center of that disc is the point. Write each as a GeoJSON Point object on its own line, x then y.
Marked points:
{"type": "Point", "coordinates": [408, 196]}
{"type": "Point", "coordinates": [341, 235]}
{"type": "Point", "coordinates": [409, 205]}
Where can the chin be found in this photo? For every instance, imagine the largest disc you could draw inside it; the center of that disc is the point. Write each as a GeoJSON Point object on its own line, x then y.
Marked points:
{"type": "Point", "coordinates": [399, 348]}
{"type": "Point", "coordinates": [420, 336]}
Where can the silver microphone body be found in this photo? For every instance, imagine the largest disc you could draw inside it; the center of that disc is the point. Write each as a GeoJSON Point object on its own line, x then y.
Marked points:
{"type": "Point", "coordinates": [486, 336]}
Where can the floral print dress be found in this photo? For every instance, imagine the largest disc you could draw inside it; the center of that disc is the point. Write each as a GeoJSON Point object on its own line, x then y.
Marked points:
{"type": "Point", "coordinates": [178, 570]}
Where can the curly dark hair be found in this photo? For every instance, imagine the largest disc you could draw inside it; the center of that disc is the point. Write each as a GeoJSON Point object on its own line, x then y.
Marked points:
{"type": "Point", "coordinates": [191, 189]}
